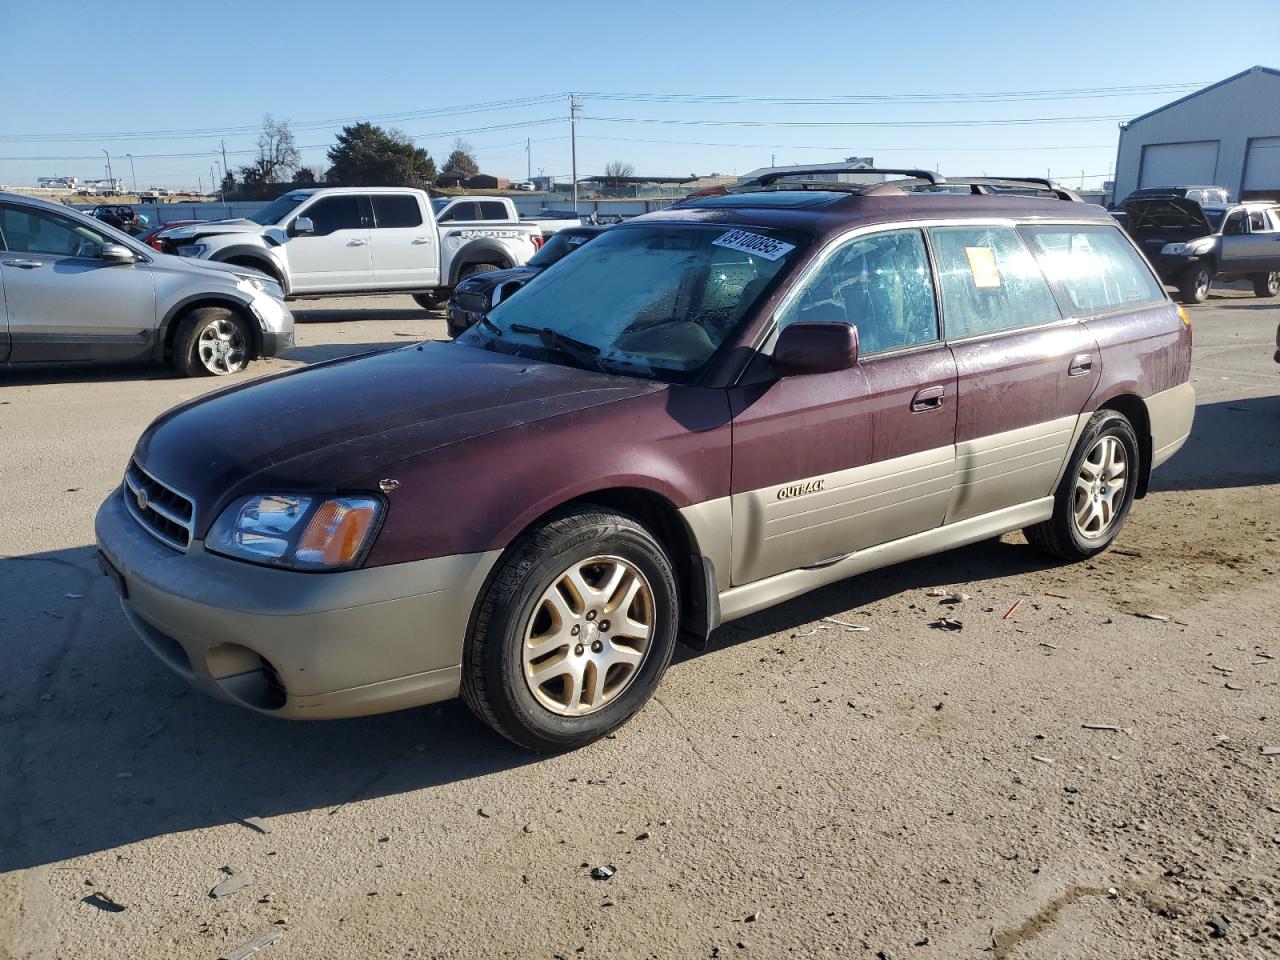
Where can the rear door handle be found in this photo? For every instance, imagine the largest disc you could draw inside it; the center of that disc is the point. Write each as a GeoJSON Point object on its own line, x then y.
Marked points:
{"type": "Point", "coordinates": [928, 398]}
{"type": "Point", "coordinates": [356, 243]}
{"type": "Point", "coordinates": [24, 264]}
{"type": "Point", "coordinates": [1081, 364]}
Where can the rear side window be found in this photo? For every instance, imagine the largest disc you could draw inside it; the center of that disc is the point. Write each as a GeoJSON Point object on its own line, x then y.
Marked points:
{"type": "Point", "coordinates": [493, 211]}
{"type": "Point", "coordinates": [1095, 267]}
{"type": "Point", "coordinates": [396, 210]}
{"type": "Point", "coordinates": [1258, 222]}
{"type": "Point", "coordinates": [463, 211]}
{"type": "Point", "coordinates": [990, 281]}
{"type": "Point", "coordinates": [335, 213]}
{"type": "Point", "coordinates": [881, 283]}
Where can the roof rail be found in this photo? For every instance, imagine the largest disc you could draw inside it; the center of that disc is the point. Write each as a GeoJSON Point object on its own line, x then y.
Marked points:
{"type": "Point", "coordinates": [765, 179]}
{"type": "Point", "coordinates": [1044, 183]}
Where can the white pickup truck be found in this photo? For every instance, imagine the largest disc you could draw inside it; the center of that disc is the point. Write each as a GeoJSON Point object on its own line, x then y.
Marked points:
{"type": "Point", "coordinates": [471, 209]}
{"type": "Point", "coordinates": [345, 240]}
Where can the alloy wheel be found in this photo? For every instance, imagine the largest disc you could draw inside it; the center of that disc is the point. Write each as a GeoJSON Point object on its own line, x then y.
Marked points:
{"type": "Point", "coordinates": [1273, 283]}
{"type": "Point", "coordinates": [1099, 490]}
{"type": "Point", "coordinates": [589, 634]}
{"type": "Point", "coordinates": [221, 347]}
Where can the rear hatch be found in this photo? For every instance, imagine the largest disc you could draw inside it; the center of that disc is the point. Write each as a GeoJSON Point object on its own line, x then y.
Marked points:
{"type": "Point", "coordinates": [1155, 221]}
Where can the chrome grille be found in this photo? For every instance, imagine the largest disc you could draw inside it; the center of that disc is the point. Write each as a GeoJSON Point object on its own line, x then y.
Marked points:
{"type": "Point", "coordinates": [162, 511]}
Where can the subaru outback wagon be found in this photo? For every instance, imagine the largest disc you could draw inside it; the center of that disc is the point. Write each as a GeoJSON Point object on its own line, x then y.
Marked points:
{"type": "Point", "coordinates": [709, 410]}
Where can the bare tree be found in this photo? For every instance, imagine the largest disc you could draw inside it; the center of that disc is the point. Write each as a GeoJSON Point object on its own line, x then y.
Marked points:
{"type": "Point", "coordinates": [278, 153]}
{"type": "Point", "coordinates": [615, 171]}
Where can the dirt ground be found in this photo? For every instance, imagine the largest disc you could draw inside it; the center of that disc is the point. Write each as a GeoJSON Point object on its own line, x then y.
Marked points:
{"type": "Point", "coordinates": [799, 789]}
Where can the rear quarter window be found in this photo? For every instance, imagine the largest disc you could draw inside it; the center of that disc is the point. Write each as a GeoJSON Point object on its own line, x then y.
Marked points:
{"type": "Point", "coordinates": [1095, 269]}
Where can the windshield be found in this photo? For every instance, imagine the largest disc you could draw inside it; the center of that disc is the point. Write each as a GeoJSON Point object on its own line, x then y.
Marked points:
{"type": "Point", "coordinates": [557, 248]}
{"type": "Point", "coordinates": [278, 209]}
{"type": "Point", "coordinates": [438, 204]}
{"type": "Point", "coordinates": [649, 299]}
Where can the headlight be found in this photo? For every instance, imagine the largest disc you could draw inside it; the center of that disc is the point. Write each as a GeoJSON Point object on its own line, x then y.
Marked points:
{"type": "Point", "coordinates": [192, 249]}
{"type": "Point", "coordinates": [261, 285]}
{"type": "Point", "coordinates": [302, 533]}
{"type": "Point", "coordinates": [1173, 249]}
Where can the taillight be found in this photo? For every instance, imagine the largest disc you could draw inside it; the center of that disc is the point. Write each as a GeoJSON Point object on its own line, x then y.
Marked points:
{"type": "Point", "coordinates": [538, 240]}
{"type": "Point", "coordinates": [157, 243]}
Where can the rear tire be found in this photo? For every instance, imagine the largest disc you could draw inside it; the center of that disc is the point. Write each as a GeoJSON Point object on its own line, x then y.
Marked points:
{"type": "Point", "coordinates": [471, 269]}
{"type": "Point", "coordinates": [212, 342]}
{"type": "Point", "coordinates": [428, 301]}
{"type": "Point", "coordinates": [1266, 284]}
{"type": "Point", "coordinates": [541, 612]}
{"type": "Point", "coordinates": [1194, 285]}
{"type": "Point", "coordinates": [1096, 491]}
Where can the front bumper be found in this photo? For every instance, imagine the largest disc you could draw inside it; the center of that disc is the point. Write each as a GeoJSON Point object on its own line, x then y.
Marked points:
{"type": "Point", "coordinates": [460, 318]}
{"type": "Point", "coordinates": [290, 644]}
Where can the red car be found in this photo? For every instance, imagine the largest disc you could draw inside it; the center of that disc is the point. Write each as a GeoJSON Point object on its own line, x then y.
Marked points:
{"type": "Point", "coordinates": [707, 411]}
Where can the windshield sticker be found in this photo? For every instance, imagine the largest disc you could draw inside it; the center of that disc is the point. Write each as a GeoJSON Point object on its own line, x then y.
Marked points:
{"type": "Point", "coordinates": [760, 245]}
{"type": "Point", "coordinates": [575, 241]}
{"type": "Point", "coordinates": [982, 263]}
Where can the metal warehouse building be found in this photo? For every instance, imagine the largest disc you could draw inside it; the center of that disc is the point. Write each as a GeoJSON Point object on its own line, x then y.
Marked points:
{"type": "Point", "coordinates": [1227, 134]}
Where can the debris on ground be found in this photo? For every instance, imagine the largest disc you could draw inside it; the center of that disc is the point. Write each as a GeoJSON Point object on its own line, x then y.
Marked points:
{"type": "Point", "coordinates": [530, 827]}
{"type": "Point", "coordinates": [237, 881]}
{"type": "Point", "coordinates": [946, 623]}
{"type": "Point", "coordinates": [485, 812]}
{"type": "Point", "coordinates": [847, 626]}
{"type": "Point", "coordinates": [603, 872]}
{"type": "Point", "coordinates": [1040, 759]}
{"type": "Point", "coordinates": [104, 903]}
{"type": "Point", "coordinates": [1270, 751]}
{"type": "Point", "coordinates": [643, 836]}
{"type": "Point", "coordinates": [257, 823]}
{"type": "Point", "coordinates": [957, 597]}
{"type": "Point", "coordinates": [1152, 616]}
{"type": "Point", "coordinates": [1218, 926]}
{"type": "Point", "coordinates": [1102, 726]}
{"type": "Point", "coordinates": [936, 592]}
{"type": "Point", "coordinates": [250, 947]}
{"type": "Point", "coordinates": [1009, 613]}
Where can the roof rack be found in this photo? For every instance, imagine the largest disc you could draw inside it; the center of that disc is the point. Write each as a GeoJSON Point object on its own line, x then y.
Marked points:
{"type": "Point", "coordinates": [766, 179]}
{"type": "Point", "coordinates": [1044, 183]}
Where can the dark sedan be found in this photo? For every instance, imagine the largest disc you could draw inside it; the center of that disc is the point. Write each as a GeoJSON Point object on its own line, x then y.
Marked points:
{"type": "Point", "coordinates": [479, 293]}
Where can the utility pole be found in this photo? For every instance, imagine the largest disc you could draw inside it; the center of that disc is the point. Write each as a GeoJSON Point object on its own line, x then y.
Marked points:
{"type": "Point", "coordinates": [528, 160]}
{"type": "Point", "coordinates": [134, 172]}
{"type": "Point", "coordinates": [773, 159]}
{"type": "Point", "coordinates": [110, 178]}
{"type": "Point", "coordinates": [574, 106]}
{"type": "Point", "coordinates": [212, 181]}
{"type": "Point", "coordinates": [225, 168]}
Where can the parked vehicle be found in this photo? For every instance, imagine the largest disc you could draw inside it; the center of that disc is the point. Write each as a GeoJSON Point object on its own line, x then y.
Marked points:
{"type": "Point", "coordinates": [478, 294]}
{"type": "Point", "coordinates": [716, 408]}
{"type": "Point", "coordinates": [343, 240]}
{"type": "Point", "coordinates": [1200, 194]}
{"type": "Point", "coordinates": [1191, 245]}
{"type": "Point", "coordinates": [473, 209]}
{"type": "Point", "coordinates": [122, 217]}
{"type": "Point", "coordinates": [155, 237]}
{"type": "Point", "coordinates": [73, 288]}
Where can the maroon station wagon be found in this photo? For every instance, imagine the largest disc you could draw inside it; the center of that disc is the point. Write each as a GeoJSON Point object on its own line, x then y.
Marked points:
{"type": "Point", "coordinates": [709, 410]}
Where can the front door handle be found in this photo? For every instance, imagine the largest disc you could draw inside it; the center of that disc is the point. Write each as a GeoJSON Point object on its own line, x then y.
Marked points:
{"type": "Point", "coordinates": [1081, 364]}
{"type": "Point", "coordinates": [421, 240]}
{"type": "Point", "coordinates": [356, 243]}
{"type": "Point", "coordinates": [24, 264]}
{"type": "Point", "coordinates": [928, 398]}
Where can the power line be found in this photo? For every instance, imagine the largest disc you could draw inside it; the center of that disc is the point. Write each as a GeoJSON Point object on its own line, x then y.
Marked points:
{"type": "Point", "coordinates": [1008, 96]}
{"type": "Point", "coordinates": [855, 123]}
{"type": "Point", "coordinates": [844, 146]}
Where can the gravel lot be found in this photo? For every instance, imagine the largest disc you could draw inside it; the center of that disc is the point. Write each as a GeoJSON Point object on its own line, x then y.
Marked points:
{"type": "Point", "coordinates": [799, 789]}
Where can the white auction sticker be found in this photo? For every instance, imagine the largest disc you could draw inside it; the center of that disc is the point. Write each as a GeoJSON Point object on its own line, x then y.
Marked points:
{"type": "Point", "coordinates": [756, 243]}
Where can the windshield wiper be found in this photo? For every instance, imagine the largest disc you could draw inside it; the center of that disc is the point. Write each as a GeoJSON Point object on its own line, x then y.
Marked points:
{"type": "Point", "coordinates": [486, 322]}
{"type": "Point", "coordinates": [584, 353]}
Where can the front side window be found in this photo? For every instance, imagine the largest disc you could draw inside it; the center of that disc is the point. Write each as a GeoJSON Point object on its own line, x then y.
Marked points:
{"type": "Point", "coordinates": [28, 231]}
{"type": "Point", "coordinates": [1234, 225]}
{"type": "Point", "coordinates": [654, 299]}
{"type": "Point", "coordinates": [990, 281]}
{"type": "Point", "coordinates": [396, 210]}
{"type": "Point", "coordinates": [880, 283]}
{"type": "Point", "coordinates": [335, 213]}
{"type": "Point", "coordinates": [1096, 268]}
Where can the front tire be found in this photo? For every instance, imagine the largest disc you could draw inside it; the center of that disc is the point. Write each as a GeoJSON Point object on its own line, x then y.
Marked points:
{"type": "Point", "coordinates": [574, 631]}
{"type": "Point", "coordinates": [428, 301]}
{"type": "Point", "coordinates": [1266, 284]}
{"type": "Point", "coordinates": [1096, 491]}
{"type": "Point", "coordinates": [211, 342]}
{"type": "Point", "coordinates": [1195, 283]}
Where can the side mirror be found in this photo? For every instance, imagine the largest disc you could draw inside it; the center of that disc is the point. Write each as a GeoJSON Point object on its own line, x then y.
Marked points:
{"type": "Point", "coordinates": [116, 253]}
{"type": "Point", "coordinates": [301, 227]}
{"type": "Point", "coordinates": [815, 347]}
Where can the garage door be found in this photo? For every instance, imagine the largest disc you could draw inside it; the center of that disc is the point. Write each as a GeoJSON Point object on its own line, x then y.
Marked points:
{"type": "Point", "coordinates": [1175, 164]}
{"type": "Point", "coordinates": [1262, 166]}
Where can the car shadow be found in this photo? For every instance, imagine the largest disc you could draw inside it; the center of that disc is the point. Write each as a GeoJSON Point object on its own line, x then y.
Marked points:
{"type": "Point", "coordinates": [37, 374]}
{"type": "Point", "coordinates": [307, 312]}
{"type": "Point", "coordinates": [319, 352]}
{"type": "Point", "coordinates": [1233, 443]}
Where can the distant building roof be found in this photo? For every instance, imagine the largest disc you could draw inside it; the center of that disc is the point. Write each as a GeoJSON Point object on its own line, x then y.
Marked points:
{"type": "Point", "coordinates": [1196, 93]}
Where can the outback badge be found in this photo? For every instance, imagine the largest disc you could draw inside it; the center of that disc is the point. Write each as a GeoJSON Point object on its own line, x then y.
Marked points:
{"type": "Point", "coordinates": [800, 489]}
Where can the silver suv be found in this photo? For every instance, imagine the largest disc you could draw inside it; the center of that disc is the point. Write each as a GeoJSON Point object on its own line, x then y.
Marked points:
{"type": "Point", "coordinates": [73, 288]}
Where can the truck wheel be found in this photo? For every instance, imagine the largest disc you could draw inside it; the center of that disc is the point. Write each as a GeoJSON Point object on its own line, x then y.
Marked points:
{"type": "Point", "coordinates": [428, 301]}
{"type": "Point", "coordinates": [1194, 285]}
{"type": "Point", "coordinates": [1266, 284]}
{"type": "Point", "coordinates": [1096, 491]}
{"type": "Point", "coordinates": [473, 268]}
{"type": "Point", "coordinates": [211, 341]}
{"type": "Point", "coordinates": [573, 632]}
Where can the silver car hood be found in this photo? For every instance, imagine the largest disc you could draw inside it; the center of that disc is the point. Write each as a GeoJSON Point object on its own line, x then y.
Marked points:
{"type": "Point", "coordinates": [214, 227]}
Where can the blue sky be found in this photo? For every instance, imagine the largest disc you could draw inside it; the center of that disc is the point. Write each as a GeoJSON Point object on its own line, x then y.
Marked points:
{"type": "Point", "coordinates": [85, 80]}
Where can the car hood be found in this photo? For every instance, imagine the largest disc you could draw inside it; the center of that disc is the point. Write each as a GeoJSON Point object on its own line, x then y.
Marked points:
{"type": "Point", "coordinates": [226, 272]}
{"type": "Point", "coordinates": [485, 282]}
{"type": "Point", "coordinates": [213, 227]}
{"type": "Point", "coordinates": [1166, 216]}
{"type": "Point", "coordinates": [322, 427]}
